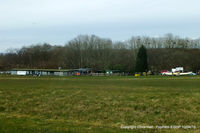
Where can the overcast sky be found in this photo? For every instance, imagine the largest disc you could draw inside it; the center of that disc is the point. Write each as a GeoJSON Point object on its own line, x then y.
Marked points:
{"type": "Point", "coordinates": [26, 22]}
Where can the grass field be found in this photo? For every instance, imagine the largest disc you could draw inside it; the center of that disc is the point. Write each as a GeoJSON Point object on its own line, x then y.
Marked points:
{"type": "Point", "coordinates": [98, 104]}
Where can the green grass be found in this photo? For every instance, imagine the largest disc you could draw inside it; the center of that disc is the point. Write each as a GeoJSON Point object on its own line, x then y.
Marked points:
{"type": "Point", "coordinates": [98, 104]}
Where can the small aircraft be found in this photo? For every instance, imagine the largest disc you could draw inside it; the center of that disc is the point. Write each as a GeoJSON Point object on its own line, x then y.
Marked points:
{"type": "Point", "coordinates": [176, 72]}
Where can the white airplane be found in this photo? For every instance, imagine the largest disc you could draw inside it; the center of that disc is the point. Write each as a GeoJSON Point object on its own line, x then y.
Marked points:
{"type": "Point", "coordinates": [177, 73]}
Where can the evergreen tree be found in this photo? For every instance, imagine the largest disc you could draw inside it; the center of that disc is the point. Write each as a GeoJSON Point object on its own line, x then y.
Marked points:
{"type": "Point", "coordinates": [141, 60]}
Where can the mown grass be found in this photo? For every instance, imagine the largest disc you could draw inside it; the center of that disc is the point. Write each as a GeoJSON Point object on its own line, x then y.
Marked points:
{"type": "Point", "coordinates": [98, 104]}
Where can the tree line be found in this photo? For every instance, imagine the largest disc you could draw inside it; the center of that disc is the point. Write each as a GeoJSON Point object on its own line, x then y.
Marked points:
{"type": "Point", "coordinates": [90, 51]}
